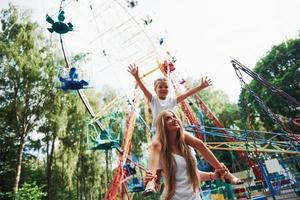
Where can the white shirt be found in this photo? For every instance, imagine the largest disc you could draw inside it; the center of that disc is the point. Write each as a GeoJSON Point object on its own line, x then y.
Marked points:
{"type": "Point", "coordinates": [158, 105]}
{"type": "Point", "coordinates": [183, 188]}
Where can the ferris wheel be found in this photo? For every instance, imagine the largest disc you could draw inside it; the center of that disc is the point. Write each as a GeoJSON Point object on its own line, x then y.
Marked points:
{"type": "Point", "coordinates": [111, 35]}
{"type": "Point", "coordinates": [99, 40]}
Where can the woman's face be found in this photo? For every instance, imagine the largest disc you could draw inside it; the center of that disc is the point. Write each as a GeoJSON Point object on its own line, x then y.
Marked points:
{"type": "Point", "coordinates": [171, 122]}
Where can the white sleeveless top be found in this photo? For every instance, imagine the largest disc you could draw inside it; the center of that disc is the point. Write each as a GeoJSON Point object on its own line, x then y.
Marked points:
{"type": "Point", "coordinates": [183, 189]}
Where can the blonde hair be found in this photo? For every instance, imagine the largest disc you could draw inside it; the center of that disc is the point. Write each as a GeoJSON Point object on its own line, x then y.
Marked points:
{"type": "Point", "coordinates": [168, 160]}
{"type": "Point", "coordinates": [157, 81]}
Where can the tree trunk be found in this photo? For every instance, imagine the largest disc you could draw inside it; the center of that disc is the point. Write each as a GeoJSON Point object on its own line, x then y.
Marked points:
{"type": "Point", "coordinates": [19, 163]}
{"type": "Point", "coordinates": [77, 184]}
{"type": "Point", "coordinates": [84, 188]}
{"type": "Point", "coordinates": [49, 169]}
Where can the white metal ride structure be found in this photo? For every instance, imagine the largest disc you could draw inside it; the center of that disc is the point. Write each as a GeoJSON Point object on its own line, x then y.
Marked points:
{"type": "Point", "coordinates": [110, 35]}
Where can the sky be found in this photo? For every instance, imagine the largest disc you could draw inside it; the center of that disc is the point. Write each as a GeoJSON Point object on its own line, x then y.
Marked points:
{"type": "Point", "coordinates": [204, 35]}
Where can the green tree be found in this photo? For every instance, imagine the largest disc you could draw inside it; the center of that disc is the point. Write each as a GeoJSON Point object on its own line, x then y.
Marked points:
{"type": "Point", "coordinates": [30, 192]}
{"type": "Point", "coordinates": [280, 67]}
{"type": "Point", "coordinates": [53, 127]}
{"type": "Point", "coordinates": [218, 102]}
{"type": "Point", "coordinates": [76, 171]}
{"type": "Point", "coordinates": [26, 82]}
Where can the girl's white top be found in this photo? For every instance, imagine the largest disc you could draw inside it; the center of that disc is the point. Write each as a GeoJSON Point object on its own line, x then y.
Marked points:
{"type": "Point", "coordinates": [183, 188]}
{"type": "Point", "coordinates": [158, 105]}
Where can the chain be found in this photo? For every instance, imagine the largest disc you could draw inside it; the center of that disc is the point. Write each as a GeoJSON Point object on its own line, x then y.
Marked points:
{"type": "Point", "coordinates": [291, 101]}
{"type": "Point", "coordinates": [267, 110]}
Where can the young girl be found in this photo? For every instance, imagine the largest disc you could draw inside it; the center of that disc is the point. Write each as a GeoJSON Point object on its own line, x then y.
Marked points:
{"type": "Point", "coordinates": [159, 102]}
{"type": "Point", "coordinates": [178, 163]}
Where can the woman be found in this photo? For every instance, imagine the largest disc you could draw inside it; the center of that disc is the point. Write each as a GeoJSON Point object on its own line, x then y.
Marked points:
{"type": "Point", "coordinates": [181, 176]}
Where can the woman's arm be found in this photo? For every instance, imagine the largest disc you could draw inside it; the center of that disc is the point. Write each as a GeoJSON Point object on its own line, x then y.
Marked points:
{"type": "Point", "coordinates": [211, 176]}
{"type": "Point", "coordinates": [211, 159]}
{"type": "Point", "coordinates": [207, 176]}
{"type": "Point", "coordinates": [204, 150]}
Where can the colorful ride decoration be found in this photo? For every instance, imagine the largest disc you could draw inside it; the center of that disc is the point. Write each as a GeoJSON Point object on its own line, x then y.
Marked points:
{"type": "Point", "coordinates": [136, 185]}
{"type": "Point", "coordinates": [59, 26]}
{"type": "Point", "coordinates": [168, 67]}
{"type": "Point", "coordinates": [161, 41]}
{"type": "Point", "coordinates": [173, 59]}
{"type": "Point", "coordinates": [72, 82]}
{"type": "Point", "coordinates": [132, 3]}
{"type": "Point", "coordinates": [101, 139]}
{"type": "Point", "coordinates": [105, 141]}
{"type": "Point", "coordinates": [126, 144]}
{"type": "Point", "coordinates": [134, 180]}
{"type": "Point", "coordinates": [147, 20]}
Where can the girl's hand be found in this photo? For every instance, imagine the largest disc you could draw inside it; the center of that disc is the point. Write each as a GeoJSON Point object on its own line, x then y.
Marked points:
{"type": "Point", "coordinates": [149, 177]}
{"type": "Point", "coordinates": [134, 70]}
{"type": "Point", "coordinates": [219, 173]}
{"type": "Point", "coordinates": [206, 82]}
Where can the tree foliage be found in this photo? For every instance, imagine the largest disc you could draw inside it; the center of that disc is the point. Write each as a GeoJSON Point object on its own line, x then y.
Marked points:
{"type": "Point", "coordinates": [40, 118]}
{"type": "Point", "coordinates": [26, 79]}
{"type": "Point", "coordinates": [228, 113]}
{"type": "Point", "coordinates": [30, 192]}
{"type": "Point", "coordinates": [280, 67]}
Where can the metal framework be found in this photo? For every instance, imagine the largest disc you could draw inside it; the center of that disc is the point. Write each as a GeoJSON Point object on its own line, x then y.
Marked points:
{"type": "Point", "coordinates": [285, 96]}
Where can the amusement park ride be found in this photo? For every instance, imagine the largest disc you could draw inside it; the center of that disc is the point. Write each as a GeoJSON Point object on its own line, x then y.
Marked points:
{"type": "Point", "coordinates": [242, 141]}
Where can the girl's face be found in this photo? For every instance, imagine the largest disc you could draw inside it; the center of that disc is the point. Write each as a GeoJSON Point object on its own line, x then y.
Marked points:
{"type": "Point", "coordinates": [162, 89]}
{"type": "Point", "coordinates": [171, 122]}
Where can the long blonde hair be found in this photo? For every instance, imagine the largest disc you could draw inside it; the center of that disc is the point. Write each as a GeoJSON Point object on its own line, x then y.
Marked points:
{"type": "Point", "coordinates": [168, 160]}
